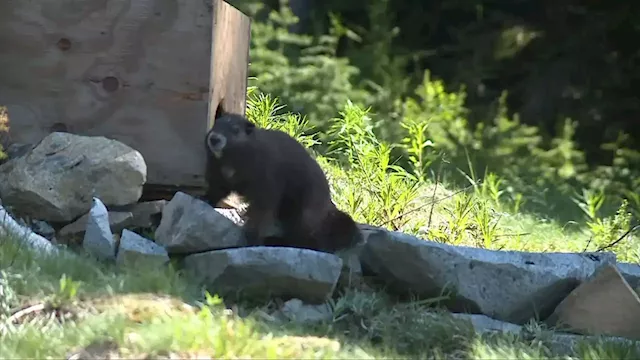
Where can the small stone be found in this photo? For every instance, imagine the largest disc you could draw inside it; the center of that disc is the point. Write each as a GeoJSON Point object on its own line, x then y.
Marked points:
{"type": "Point", "coordinates": [98, 238]}
{"type": "Point", "coordinates": [43, 229]}
{"type": "Point", "coordinates": [191, 225]}
{"type": "Point", "coordinates": [296, 310]}
{"type": "Point", "coordinates": [146, 214]}
{"type": "Point", "coordinates": [135, 249]}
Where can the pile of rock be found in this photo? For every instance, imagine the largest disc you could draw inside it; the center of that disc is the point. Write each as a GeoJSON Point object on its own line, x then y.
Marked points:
{"type": "Point", "coordinates": [85, 190]}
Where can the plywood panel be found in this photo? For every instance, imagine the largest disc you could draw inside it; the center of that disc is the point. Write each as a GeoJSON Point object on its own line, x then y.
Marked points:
{"type": "Point", "coordinates": [231, 36]}
{"type": "Point", "coordinates": [134, 70]}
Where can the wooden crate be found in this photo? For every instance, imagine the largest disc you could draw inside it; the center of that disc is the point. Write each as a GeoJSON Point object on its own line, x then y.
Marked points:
{"type": "Point", "coordinates": [149, 73]}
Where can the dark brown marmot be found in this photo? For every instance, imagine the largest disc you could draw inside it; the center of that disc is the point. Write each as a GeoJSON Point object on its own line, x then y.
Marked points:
{"type": "Point", "coordinates": [282, 183]}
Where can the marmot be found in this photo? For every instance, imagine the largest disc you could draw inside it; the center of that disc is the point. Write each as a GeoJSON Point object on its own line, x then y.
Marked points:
{"type": "Point", "coordinates": [282, 183]}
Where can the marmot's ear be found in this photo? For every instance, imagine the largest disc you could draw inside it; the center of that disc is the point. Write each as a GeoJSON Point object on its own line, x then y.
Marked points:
{"type": "Point", "coordinates": [249, 127]}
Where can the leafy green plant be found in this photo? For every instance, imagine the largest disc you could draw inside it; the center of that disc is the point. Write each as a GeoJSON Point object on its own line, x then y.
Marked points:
{"type": "Point", "coordinates": [590, 202]}
{"type": "Point", "coordinates": [621, 176]}
{"type": "Point", "coordinates": [435, 115]}
{"type": "Point", "coordinates": [376, 191]}
{"type": "Point", "coordinates": [633, 197]}
{"type": "Point", "coordinates": [262, 109]}
{"type": "Point", "coordinates": [487, 224]}
{"type": "Point", "coordinates": [458, 221]}
{"type": "Point", "coordinates": [606, 231]}
{"type": "Point", "coordinates": [491, 188]}
{"type": "Point", "coordinates": [417, 144]}
{"type": "Point", "coordinates": [67, 291]}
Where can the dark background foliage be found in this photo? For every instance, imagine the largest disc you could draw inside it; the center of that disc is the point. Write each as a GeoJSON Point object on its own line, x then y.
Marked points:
{"type": "Point", "coordinates": [541, 93]}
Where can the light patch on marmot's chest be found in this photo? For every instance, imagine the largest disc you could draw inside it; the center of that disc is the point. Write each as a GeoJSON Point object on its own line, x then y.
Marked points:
{"type": "Point", "coordinates": [228, 172]}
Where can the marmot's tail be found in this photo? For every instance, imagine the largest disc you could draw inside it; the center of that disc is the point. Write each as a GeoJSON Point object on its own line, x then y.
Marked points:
{"type": "Point", "coordinates": [340, 231]}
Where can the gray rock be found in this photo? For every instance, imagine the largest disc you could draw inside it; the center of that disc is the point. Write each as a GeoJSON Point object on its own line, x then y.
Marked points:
{"type": "Point", "coordinates": [231, 214]}
{"type": "Point", "coordinates": [233, 201]}
{"type": "Point", "coordinates": [351, 259]}
{"type": "Point", "coordinates": [558, 343]}
{"type": "Point", "coordinates": [98, 238]}
{"type": "Point", "coordinates": [351, 275]}
{"type": "Point", "coordinates": [485, 324]}
{"type": "Point", "coordinates": [510, 286]}
{"type": "Point", "coordinates": [267, 271]}
{"type": "Point", "coordinates": [117, 222]}
{"type": "Point", "coordinates": [297, 311]}
{"type": "Point", "coordinates": [43, 228]}
{"type": "Point", "coordinates": [567, 344]}
{"type": "Point", "coordinates": [631, 273]}
{"type": "Point", "coordinates": [191, 225]}
{"type": "Point", "coordinates": [146, 214]}
{"type": "Point", "coordinates": [56, 180]}
{"type": "Point", "coordinates": [10, 228]}
{"type": "Point", "coordinates": [17, 150]}
{"type": "Point", "coordinates": [135, 249]}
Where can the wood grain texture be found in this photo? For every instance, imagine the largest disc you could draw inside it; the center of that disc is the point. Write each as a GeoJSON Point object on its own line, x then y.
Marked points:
{"type": "Point", "coordinates": [603, 305]}
{"type": "Point", "coordinates": [142, 72]}
{"type": "Point", "coordinates": [231, 35]}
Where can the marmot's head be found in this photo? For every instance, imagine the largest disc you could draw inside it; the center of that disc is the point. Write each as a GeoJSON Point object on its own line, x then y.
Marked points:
{"type": "Point", "coordinates": [228, 131]}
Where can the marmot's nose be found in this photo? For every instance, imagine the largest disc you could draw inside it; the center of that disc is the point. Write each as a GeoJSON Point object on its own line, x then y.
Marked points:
{"type": "Point", "coordinates": [214, 140]}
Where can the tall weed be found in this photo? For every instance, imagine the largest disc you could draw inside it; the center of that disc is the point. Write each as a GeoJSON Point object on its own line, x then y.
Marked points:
{"type": "Point", "coordinates": [375, 190]}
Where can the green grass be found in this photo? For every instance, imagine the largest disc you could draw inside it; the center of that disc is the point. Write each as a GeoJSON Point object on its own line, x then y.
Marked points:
{"type": "Point", "coordinates": [145, 313]}
{"type": "Point", "coordinates": [139, 313]}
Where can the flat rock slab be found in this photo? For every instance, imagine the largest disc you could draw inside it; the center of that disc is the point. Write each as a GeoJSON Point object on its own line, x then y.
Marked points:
{"type": "Point", "coordinates": [285, 272]}
{"type": "Point", "coordinates": [135, 249]}
{"type": "Point", "coordinates": [510, 286]}
{"type": "Point", "coordinates": [631, 273]}
{"type": "Point", "coordinates": [604, 305]}
{"type": "Point", "coordinates": [56, 180]}
{"type": "Point", "coordinates": [190, 225]}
